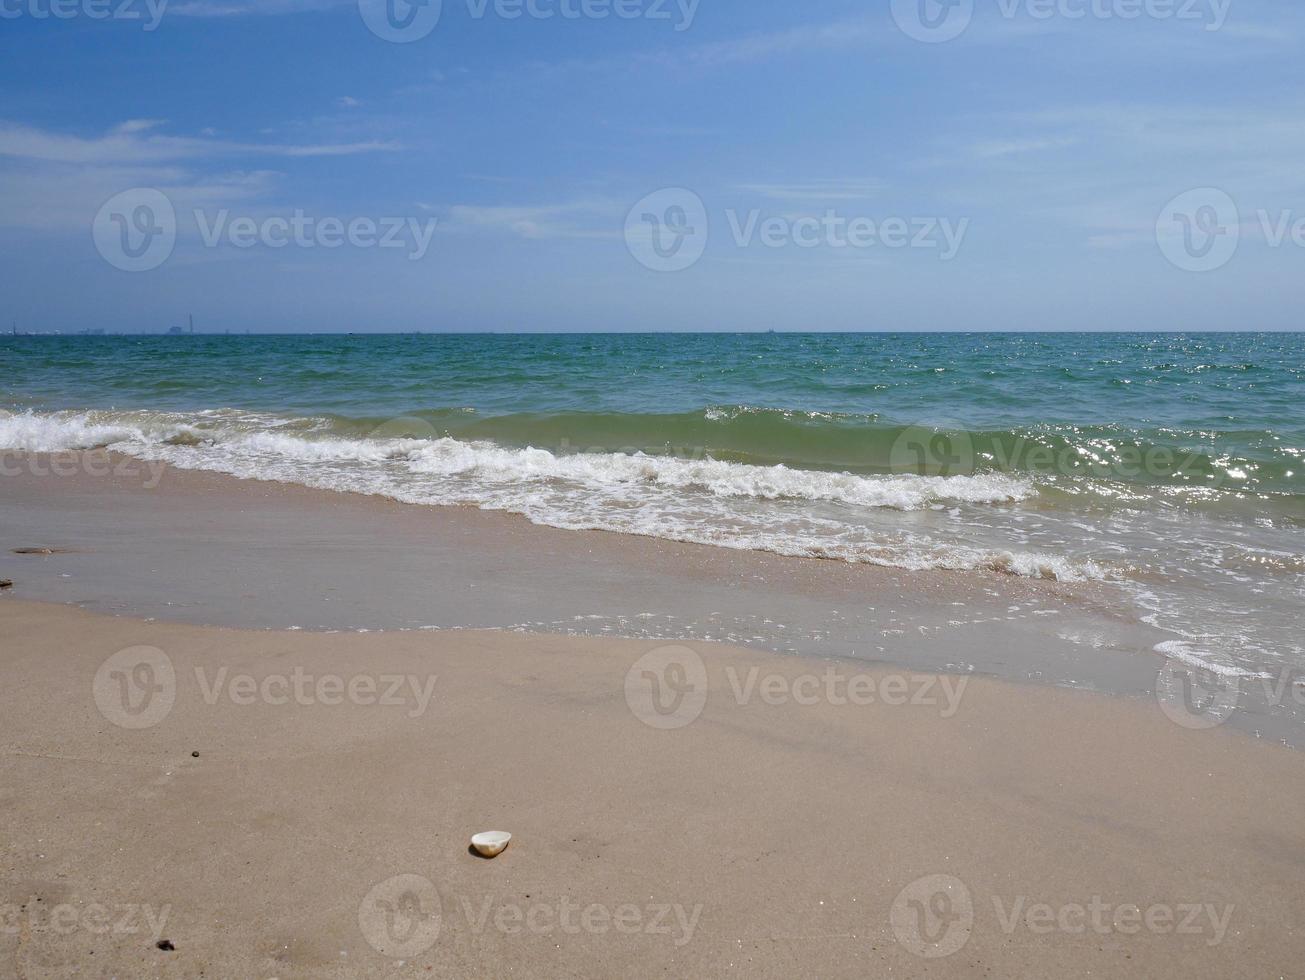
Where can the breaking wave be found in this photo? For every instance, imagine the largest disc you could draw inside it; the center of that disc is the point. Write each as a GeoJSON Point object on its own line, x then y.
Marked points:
{"type": "Point", "coordinates": [777, 508]}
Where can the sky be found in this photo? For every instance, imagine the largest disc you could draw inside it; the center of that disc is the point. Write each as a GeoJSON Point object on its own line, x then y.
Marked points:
{"type": "Point", "coordinates": [622, 165]}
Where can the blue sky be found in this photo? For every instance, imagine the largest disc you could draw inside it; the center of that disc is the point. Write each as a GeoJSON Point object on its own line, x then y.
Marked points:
{"type": "Point", "coordinates": [1010, 177]}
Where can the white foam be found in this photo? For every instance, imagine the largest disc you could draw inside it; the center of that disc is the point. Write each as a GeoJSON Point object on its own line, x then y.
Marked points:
{"type": "Point", "coordinates": [787, 511]}
{"type": "Point", "coordinates": [1183, 651]}
{"type": "Point", "coordinates": [32, 433]}
{"type": "Point", "coordinates": [496, 464]}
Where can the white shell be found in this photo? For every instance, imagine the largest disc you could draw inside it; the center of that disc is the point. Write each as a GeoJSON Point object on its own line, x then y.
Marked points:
{"type": "Point", "coordinates": [491, 843]}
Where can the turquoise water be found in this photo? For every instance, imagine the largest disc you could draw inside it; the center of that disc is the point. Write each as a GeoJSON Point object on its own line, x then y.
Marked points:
{"type": "Point", "coordinates": [1233, 401]}
{"type": "Point", "coordinates": [1172, 466]}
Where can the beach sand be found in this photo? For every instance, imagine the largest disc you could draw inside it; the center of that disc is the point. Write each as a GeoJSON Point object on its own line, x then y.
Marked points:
{"type": "Point", "coordinates": [760, 839]}
{"type": "Point", "coordinates": [788, 815]}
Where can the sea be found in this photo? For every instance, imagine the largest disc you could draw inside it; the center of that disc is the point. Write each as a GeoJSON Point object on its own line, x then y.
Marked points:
{"type": "Point", "coordinates": [1168, 467]}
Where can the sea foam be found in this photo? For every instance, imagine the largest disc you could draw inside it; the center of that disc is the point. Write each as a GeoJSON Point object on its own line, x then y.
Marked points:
{"type": "Point", "coordinates": [798, 512]}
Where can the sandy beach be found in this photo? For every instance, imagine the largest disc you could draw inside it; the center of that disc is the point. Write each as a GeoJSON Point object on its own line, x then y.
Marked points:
{"type": "Point", "coordinates": [279, 803]}
{"type": "Point", "coordinates": [650, 489]}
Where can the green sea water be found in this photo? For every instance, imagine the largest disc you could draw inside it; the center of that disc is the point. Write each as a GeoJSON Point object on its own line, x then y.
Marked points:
{"type": "Point", "coordinates": [1170, 465]}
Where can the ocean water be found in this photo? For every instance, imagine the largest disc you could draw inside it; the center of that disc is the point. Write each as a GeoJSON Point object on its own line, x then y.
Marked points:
{"type": "Point", "coordinates": [1169, 466]}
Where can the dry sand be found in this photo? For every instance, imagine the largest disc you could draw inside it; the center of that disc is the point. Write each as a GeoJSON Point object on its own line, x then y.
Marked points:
{"type": "Point", "coordinates": [1079, 835]}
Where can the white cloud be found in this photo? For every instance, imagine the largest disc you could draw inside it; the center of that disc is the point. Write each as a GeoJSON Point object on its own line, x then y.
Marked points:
{"type": "Point", "coordinates": [135, 142]}
{"type": "Point", "coordinates": [584, 219]}
{"type": "Point", "coordinates": [245, 8]}
{"type": "Point", "coordinates": [66, 197]}
{"type": "Point", "coordinates": [1012, 147]}
{"type": "Point", "coordinates": [818, 189]}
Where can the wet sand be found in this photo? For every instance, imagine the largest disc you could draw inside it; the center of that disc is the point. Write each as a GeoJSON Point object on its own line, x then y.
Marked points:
{"type": "Point", "coordinates": [155, 542]}
{"type": "Point", "coordinates": [214, 550]}
{"type": "Point", "coordinates": [763, 825]}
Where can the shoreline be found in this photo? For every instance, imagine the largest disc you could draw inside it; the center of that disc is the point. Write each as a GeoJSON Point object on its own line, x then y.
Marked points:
{"type": "Point", "coordinates": [763, 828]}
{"type": "Point", "coordinates": [213, 549]}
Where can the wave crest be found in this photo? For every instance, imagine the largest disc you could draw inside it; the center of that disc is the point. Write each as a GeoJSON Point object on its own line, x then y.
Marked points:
{"type": "Point", "coordinates": [800, 512]}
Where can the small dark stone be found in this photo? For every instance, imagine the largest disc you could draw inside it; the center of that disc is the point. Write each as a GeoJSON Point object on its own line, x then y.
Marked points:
{"type": "Point", "coordinates": [33, 551]}
{"type": "Point", "coordinates": [194, 755]}
{"type": "Point", "coordinates": [165, 945]}
{"type": "Point", "coordinates": [6, 583]}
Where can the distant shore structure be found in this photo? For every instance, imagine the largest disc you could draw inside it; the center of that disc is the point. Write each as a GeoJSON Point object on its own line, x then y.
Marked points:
{"type": "Point", "coordinates": [178, 332]}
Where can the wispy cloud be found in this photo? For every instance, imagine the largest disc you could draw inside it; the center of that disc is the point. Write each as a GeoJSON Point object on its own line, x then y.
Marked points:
{"type": "Point", "coordinates": [818, 189]}
{"type": "Point", "coordinates": [135, 142]}
{"type": "Point", "coordinates": [581, 219]}
{"type": "Point", "coordinates": [245, 8]}
{"type": "Point", "coordinates": [62, 197]}
{"type": "Point", "coordinates": [1105, 171]}
{"type": "Point", "coordinates": [745, 49]}
{"type": "Point", "coordinates": [1011, 147]}
{"type": "Point", "coordinates": [763, 46]}
{"type": "Point", "coordinates": [128, 144]}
